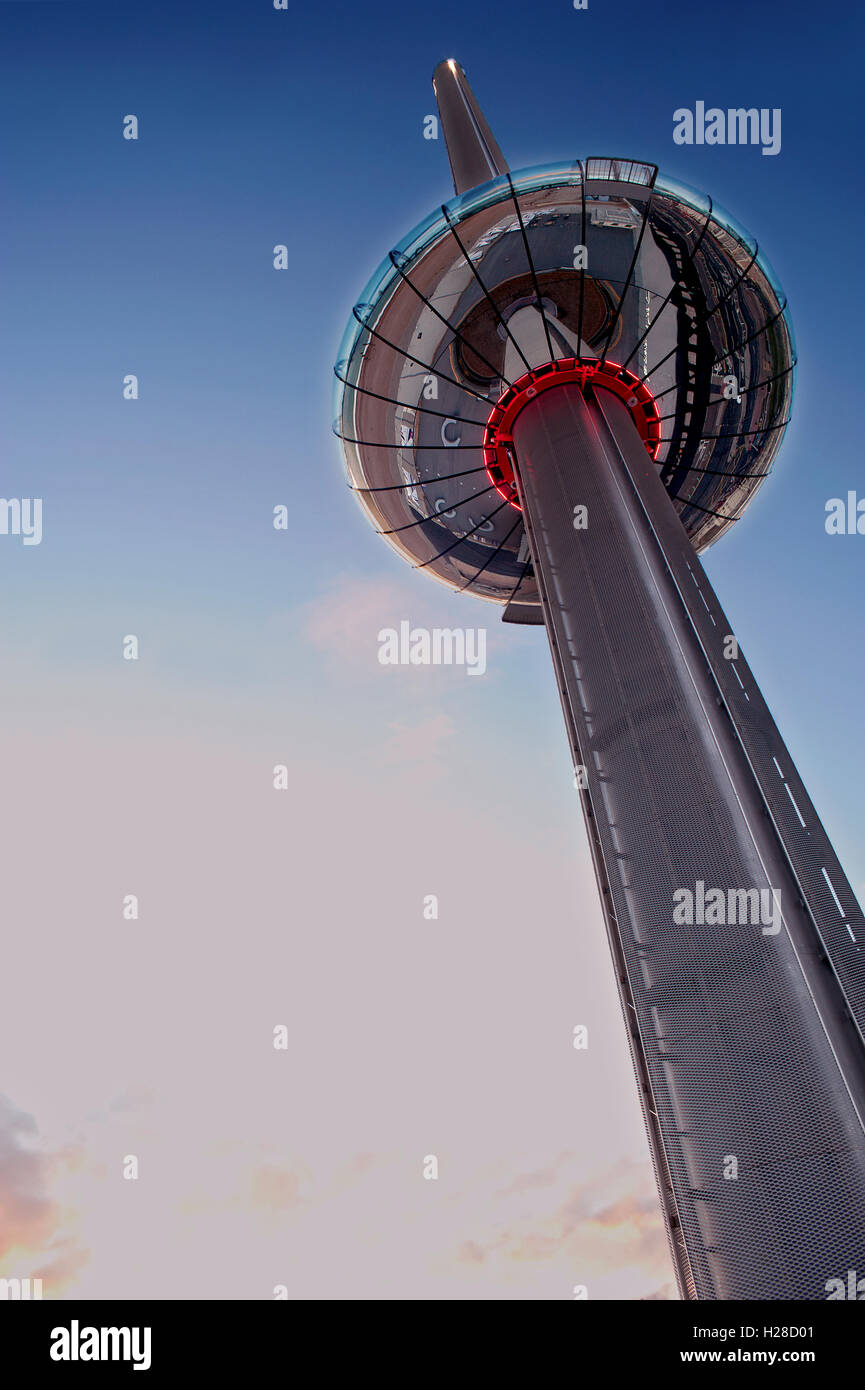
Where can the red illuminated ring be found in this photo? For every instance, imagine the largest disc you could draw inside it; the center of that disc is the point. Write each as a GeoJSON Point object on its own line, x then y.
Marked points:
{"type": "Point", "coordinates": [498, 435]}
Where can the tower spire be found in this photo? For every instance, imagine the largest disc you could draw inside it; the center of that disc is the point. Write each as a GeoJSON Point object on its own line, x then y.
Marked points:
{"type": "Point", "coordinates": [472, 150]}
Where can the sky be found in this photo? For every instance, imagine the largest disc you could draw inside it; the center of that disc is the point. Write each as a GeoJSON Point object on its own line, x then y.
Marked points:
{"type": "Point", "coordinates": [303, 1168]}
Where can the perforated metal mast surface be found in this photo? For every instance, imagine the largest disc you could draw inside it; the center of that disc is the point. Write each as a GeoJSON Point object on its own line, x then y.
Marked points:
{"type": "Point", "coordinates": [488, 386]}
{"type": "Point", "coordinates": [741, 1037]}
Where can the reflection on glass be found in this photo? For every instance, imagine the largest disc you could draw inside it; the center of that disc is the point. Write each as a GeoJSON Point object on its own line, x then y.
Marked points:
{"type": "Point", "coordinates": [622, 276]}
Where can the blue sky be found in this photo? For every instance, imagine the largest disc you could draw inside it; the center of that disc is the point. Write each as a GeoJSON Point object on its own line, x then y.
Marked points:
{"type": "Point", "coordinates": [260, 126]}
{"type": "Point", "coordinates": [304, 127]}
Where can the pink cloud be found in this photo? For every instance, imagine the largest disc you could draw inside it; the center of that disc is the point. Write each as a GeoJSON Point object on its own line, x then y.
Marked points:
{"type": "Point", "coordinates": [33, 1242]}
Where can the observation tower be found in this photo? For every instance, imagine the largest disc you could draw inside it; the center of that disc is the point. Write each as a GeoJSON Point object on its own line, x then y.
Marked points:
{"type": "Point", "coordinates": [554, 394]}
